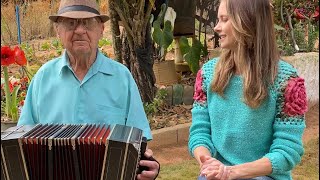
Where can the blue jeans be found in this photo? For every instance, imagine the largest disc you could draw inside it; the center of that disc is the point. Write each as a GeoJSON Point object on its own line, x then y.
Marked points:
{"type": "Point", "coordinates": [256, 178]}
{"type": "Point", "coordinates": [259, 178]}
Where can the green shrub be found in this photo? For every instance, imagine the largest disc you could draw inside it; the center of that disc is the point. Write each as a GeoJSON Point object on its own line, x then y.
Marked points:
{"type": "Point", "coordinates": [153, 107]}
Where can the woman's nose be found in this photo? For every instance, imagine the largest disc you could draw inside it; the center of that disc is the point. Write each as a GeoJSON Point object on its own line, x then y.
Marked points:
{"type": "Point", "coordinates": [217, 28]}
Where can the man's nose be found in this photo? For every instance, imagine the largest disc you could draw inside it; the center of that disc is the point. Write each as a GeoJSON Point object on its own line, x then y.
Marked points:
{"type": "Point", "coordinates": [80, 26]}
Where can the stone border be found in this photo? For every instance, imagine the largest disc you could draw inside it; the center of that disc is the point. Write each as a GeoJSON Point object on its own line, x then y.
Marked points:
{"type": "Point", "coordinates": [170, 136]}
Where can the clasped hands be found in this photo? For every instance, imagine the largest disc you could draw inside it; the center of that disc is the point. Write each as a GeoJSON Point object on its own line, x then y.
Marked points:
{"type": "Point", "coordinates": [213, 169]}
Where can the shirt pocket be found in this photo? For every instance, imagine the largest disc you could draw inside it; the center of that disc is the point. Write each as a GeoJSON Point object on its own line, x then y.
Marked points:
{"type": "Point", "coordinates": [110, 115]}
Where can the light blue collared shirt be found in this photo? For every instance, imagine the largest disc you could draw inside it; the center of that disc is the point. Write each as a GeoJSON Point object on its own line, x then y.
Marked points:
{"type": "Point", "coordinates": [107, 94]}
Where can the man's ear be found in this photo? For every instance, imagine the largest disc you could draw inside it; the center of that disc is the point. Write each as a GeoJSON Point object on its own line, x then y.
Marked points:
{"type": "Point", "coordinates": [56, 29]}
{"type": "Point", "coordinates": [102, 29]}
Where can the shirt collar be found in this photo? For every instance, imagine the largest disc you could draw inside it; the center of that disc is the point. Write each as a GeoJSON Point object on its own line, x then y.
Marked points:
{"type": "Point", "coordinates": [63, 62]}
{"type": "Point", "coordinates": [102, 64]}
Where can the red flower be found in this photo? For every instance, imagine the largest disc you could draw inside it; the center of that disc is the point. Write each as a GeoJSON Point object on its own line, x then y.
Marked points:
{"type": "Point", "coordinates": [298, 14]}
{"type": "Point", "coordinates": [24, 79]}
{"type": "Point", "coordinates": [286, 26]}
{"type": "Point", "coordinates": [316, 14]}
{"type": "Point", "coordinates": [7, 56]}
{"type": "Point", "coordinates": [10, 87]}
{"type": "Point", "coordinates": [21, 103]}
{"type": "Point", "coordinates": [295, 97]}
{"type": "Point", "coordinates": [20, 57]}
{"type": "Point", "coordinates": [199, 94]}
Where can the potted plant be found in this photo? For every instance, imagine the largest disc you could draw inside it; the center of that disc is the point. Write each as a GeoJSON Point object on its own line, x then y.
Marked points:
{"type": "Point", "coordinates": [162, 35]}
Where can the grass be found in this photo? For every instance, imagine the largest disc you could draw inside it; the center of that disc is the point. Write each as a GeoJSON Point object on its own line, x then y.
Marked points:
{"type": "Point", "coordinates": [309, 166]}
{"type": "Point", "coordinates": [181, 171]}
{"type": "Point", "coordinates": [307, 169]}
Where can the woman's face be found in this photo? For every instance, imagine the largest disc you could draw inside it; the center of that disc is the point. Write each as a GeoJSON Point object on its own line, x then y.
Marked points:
{"type": "Point", "coordinates": [225, 29]}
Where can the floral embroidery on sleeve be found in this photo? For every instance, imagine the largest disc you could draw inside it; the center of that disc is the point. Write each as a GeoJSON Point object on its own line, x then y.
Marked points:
{"type": "Point", "coordinates": [295, 97]}
{"type": "Point", "coordinates": [199, 95]}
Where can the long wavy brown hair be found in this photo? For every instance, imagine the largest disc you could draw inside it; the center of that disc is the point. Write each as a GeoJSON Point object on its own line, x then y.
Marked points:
{"type": "Point", "coordinates": [256, 57]}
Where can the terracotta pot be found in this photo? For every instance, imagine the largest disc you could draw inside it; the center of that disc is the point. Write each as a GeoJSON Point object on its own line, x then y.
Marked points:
{"type": "Point", "coordinates": [165, 72]}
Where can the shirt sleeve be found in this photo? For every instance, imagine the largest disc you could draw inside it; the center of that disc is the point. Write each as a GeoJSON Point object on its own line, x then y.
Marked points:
{"type": "Point", "coordinates": [136, 115]}
{"type": "Point", "coordinates": [28, 114]}
{"type": "Point", "coordinates": [200, 130]}
{"type": "Point", "coordinates": [287, 147]}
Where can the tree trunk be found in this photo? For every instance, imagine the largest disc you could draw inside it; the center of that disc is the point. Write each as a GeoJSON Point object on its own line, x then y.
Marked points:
{"type": "Point", "coordinates": [51, 32]}
{"type": "Point", "coordinates": [114, 23]}
{"type": "Point", "coordinates": [140, 62]}
{"type": "Point", "coordinates": [136, 43]}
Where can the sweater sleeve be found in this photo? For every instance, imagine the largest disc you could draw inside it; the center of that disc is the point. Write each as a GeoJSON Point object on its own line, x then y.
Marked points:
{"type": "Point", "coordinates": [287, 147]}
{"type": "Point", "coordinates": [200, 130]}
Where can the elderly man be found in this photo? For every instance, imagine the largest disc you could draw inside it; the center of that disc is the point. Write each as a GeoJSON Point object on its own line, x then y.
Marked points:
{"type": "Point", "coordinates": [84, 86]}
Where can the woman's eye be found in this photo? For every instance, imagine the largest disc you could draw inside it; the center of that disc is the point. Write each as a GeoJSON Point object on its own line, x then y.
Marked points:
{"type": "Point", "coordinates": [224, 19]}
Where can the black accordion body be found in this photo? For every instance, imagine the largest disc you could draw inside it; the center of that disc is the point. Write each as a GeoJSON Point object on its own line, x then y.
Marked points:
{"type": "Point", "coordinates": [71, 152]}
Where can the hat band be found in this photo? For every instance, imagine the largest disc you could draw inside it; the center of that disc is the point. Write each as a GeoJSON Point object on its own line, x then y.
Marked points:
{"type": "Point", "coordinates": [78, 8]}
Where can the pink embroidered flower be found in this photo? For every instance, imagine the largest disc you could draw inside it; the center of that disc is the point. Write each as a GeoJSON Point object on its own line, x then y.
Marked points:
{"type": "Point", "coordinates": [199, 94]}
{"type": "Point", "coordinates": [295, 97]}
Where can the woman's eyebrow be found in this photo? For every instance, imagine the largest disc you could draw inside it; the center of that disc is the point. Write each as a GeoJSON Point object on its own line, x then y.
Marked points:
{"type": "Point", "coordinates": [223, 16]}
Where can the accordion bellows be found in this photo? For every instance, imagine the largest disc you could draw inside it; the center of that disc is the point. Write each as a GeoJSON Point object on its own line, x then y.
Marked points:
{"type": "Point", "coordinates": [73, 152]}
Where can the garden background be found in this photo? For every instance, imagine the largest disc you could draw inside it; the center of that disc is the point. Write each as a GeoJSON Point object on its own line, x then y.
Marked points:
{"type": "Point", "coordinates": [297, 27]}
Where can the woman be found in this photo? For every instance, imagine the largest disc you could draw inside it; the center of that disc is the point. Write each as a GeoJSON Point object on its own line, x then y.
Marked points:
{"type": "Point", "coordinates": [248, 113]}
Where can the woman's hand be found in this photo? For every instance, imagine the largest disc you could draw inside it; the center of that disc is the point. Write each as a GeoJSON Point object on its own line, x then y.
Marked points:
{"type": "Point", "coordinates": [214, 169]}
{"type": "Point", "coordinates": [153, 167]}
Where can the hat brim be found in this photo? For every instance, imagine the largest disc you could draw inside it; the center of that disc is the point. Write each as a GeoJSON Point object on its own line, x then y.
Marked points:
{"type": "Point", "coordinates": [78, 15]}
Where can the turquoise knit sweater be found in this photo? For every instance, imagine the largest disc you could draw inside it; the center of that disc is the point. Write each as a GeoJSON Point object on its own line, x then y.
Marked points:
{"type": "Point", "coordinates": [234, 133]}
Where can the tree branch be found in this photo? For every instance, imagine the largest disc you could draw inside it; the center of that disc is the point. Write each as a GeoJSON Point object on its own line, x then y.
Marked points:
{"type": "Point", "coordinates": [292, 32]}
{"type": "Point", "coordinates": [126, 11]}
{"type": "Point", "coordinates": [281, 12]}
{"type": "Point", "coordinates": [114, 22]}
{"type": "Point", "coordinates": [141, 9]}
{"type": "Point", "coordinates": [124, 20]}
{"type": "Point", "coordinates": [147, 17]}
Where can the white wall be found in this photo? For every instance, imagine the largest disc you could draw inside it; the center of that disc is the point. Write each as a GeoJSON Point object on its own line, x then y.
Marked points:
{"type": "Point", "coordinates": [307, 65]}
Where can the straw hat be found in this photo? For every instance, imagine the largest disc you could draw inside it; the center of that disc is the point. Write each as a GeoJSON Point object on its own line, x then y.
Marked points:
{"type": "Point", "coordinates": [78, 9]}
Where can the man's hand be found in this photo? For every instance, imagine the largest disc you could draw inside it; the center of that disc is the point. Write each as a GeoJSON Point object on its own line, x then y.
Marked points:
{"type": "Point", "coordinates": [153, 167]}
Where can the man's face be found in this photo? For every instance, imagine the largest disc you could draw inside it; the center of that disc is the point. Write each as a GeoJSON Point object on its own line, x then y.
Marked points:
{"type": "Point", "coordinates": [80, 36]}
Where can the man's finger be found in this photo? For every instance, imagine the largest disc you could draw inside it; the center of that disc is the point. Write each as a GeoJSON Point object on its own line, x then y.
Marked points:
{"type": "Point", "coordinates": [148, 153]}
